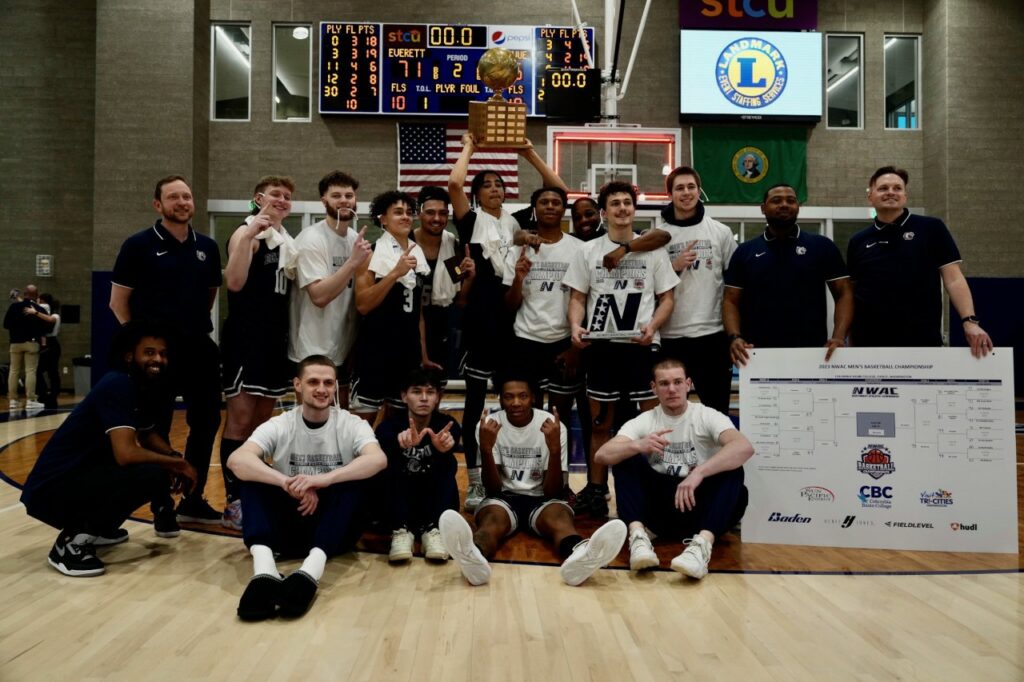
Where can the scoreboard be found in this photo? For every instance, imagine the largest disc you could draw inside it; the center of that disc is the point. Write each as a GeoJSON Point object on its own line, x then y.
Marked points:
{"type": "Point", "coordinates": [430, 69]}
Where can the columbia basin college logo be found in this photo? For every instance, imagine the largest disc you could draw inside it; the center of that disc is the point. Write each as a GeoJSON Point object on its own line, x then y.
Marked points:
{"type": "Point", "coordinates": [875, 461]}
{"type": "Point", "coordinates": [751, 73]}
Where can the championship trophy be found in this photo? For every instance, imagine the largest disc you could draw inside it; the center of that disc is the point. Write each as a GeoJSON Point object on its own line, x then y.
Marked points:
{"type": "Point", "coordinates": [497, 123]}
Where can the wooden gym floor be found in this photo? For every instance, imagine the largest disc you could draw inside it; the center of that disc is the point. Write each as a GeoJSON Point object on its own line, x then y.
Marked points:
{"type": "Point", "coordinates": [165, 610]}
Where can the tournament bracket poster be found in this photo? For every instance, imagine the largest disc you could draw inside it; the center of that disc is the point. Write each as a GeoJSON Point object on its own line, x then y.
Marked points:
{"type": "Point", "coordinates": [888, 448]}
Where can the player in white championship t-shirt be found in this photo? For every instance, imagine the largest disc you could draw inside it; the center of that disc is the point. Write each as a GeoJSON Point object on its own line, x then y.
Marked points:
{"type": "Point", "coordinates": [678, 471]}
{"type": "Point", "coordinates": [322, 317]}
{"type": "Point", "coordinates": [524, 460]}
{"type": "Point", "coordinates": [542, 348]}
{"type": "Point", "coordinates": [616, 314]}
{"type": "Point", "coordinates": [301, 478]}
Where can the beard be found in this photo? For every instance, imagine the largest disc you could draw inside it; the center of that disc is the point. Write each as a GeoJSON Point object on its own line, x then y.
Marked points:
{"type": "Point", "coordinates": [782, 225]}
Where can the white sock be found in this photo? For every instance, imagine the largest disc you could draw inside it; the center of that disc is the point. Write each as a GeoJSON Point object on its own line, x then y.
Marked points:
{"type": "Point", "coordinates": [475, 476]}
{"type": "Point", "coordinates": [314, 564]}
{"type": "Point", "coordinates": [263, 561]}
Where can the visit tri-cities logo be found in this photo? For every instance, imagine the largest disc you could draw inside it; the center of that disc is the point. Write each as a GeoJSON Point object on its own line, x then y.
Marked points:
{"type": "Point", "coordinates": [876, 461]}
{"type": "Point", "coordinates": [937, 498]}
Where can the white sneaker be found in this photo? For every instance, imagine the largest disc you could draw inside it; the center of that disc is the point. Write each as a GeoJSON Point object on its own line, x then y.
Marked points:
{"type": "Point", "coordinates": [433, 548]}
{"type": "Point", "coordinates": [641, 552]}
{"type": "Point", "coordinates": [694, 559]}
{"type": "Point", "coordinates": [457, 537]}
{"type": "Point", "coordinates": [34, 406]}
{"type": "Point", "coordinates": [595, 553]}
{"type": "Point", "coordinates": [14, 405]}
{"type": "Point", "coordinates": [475, 494]}
{"type": "Point", "coordinates": [401, 545]}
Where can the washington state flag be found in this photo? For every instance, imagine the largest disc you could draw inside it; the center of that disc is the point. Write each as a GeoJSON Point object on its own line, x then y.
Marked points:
{"type": "Point", "coordinates": [737, 165]}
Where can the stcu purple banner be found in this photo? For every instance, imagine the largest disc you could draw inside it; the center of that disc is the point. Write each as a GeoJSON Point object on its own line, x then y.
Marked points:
{"type": "Point", "coordinates": [768, 15]}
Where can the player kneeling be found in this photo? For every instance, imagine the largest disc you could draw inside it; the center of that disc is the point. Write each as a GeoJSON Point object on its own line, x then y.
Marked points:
{"type": "Point", "coordinates": [678, 471]}
{"type": "Point", "coordinates": [524, 457]}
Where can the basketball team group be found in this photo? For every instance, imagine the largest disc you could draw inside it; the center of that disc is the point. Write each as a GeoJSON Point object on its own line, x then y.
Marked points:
{"type": "Point", "coordinates": [621, 327]}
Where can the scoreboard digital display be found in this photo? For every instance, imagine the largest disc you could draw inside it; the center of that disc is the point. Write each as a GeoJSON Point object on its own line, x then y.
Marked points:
{"type": "Point", "coordinates": [430, 69]}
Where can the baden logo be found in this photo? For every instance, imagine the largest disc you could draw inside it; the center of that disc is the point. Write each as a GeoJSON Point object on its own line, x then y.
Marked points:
{"type": "Point", "coordinates": [875, 461]}
{"type": "Point", "coordinates": [776, 517]}
{"type": "Point", "coordinates": [875, 392]}
{"type": "Point", "coordinates": [815, 493]}
{"type": "Point", "coordinates": [963, 526]}
{"type": "Point", "coordinates": [938, 498]}
{"type": "Point", "coordinates": [751, 73]}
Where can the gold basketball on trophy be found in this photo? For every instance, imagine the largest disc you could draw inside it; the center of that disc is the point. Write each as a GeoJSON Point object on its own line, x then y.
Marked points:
{"type": "Point", "coordinates": [495, 122]}
{"type": "Point", "coordinates": [498, 68]}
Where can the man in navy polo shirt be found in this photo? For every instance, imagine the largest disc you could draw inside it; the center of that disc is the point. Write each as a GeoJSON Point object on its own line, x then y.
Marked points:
{"type": "Point", "coordinates": [171, 273]}
{"type": "Point", "coordinates": [894, 263]}
{"type": "Point", "coordinates": [775, 285]}
{"type": "Point", "coordinates": [108, 458]}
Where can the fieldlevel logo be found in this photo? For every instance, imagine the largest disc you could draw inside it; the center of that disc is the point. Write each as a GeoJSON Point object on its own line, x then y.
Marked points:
{"type": "Point", "coordinates": [876, 461]}
{"type": "Point", "coordinates": [963, 526]}
{"type": "Point", "coordinates": [937, 498]}
{"type": "Point", "coordinates": [816, 493]}
{"type": "Point", "coordinates": [776, 517]}
{"type": "Point", "coordinates": [751, 73]}
{"type": "Point", "coordinates": [908, 524]}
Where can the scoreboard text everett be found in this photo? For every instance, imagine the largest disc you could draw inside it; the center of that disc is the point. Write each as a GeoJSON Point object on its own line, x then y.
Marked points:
{"type": "Point", "coordinates": [430, 69]}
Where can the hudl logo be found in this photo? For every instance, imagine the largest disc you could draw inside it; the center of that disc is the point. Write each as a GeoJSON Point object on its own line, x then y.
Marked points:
{"type": "Point", "coordinates": [751, 72]}
{"type": "Point", "coordinates": [875, 391]}
{"type": "Point", "coordinates": [963, 526]}
{"type": "Point", "coordinates": [875, 461]}
{"type": "Point", "coordinates": [776, 517]}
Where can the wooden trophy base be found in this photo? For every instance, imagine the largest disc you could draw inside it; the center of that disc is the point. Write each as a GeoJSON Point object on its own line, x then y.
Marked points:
{"type": "Point", "coordinates": [497, 123]}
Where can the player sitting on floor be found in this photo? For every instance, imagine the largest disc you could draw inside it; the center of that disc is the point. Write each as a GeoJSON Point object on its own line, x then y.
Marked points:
{"type": "Point", "coordinates": [301, 479]}
{"type": "Point", "coordinates": [524, 459]}
{"type": "Point", "coordinates": [678, 471]}
{"type": "Point", "coordinates": [420, 480]}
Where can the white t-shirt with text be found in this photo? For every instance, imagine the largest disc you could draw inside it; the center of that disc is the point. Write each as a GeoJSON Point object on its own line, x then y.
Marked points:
{"type": "Point", "coordinates": [698, 297]}
{"type": "Point", "coordinates": [544, 314]}
{"type": "Point", "coordinates": [330, 330]}
{"type": "Point", "coordinates": [693, 440]}
{"type": "Point", "coordinates": [293, 448]}
{"type": "Point", "coordinates": [521, 453]}
{"type": "Point", "coordinates": [623, 299]}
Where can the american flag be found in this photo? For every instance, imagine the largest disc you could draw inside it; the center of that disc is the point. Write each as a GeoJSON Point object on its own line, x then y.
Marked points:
{"type": "Point", "coordinates": [427, 152]}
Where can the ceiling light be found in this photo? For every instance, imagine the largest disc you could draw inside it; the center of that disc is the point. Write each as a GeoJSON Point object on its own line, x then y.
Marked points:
{"type": "Point", "coordinates": [300, 33]}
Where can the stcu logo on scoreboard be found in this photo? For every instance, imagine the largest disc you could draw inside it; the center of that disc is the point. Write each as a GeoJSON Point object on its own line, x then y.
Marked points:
{"type": "Point", "coordinates": [751, 72]}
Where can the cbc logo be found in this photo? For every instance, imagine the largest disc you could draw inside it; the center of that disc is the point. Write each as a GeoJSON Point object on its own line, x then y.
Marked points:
{"type": "Point", "coordinates": [751, 73]}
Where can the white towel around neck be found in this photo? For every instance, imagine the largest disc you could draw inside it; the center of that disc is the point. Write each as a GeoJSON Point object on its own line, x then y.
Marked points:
{"type": "Point", "coordinates": [495, 237]}
{"type": "Point", "coordinates": [442, 288]}
{"type": "Point", "coordinates": [288, 258]}
{"type": "Point", "coordinates": [386, 253]}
